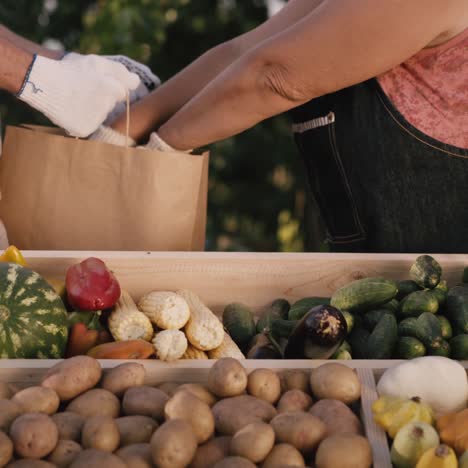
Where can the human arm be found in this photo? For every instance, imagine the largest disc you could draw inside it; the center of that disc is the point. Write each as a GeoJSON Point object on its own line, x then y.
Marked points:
{"type": "Point", "coordinates": [159, 106]}
{"type": "Point", "coordinates": [337, 45]}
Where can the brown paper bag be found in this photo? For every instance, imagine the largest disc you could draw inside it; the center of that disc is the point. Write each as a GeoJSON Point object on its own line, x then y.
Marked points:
{"type": "Point", "coordinates": [60, 193]}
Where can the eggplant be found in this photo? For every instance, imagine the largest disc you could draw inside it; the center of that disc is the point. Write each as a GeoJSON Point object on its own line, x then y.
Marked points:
{"type": "Point", "coordinates": [262, 348]}
{"type": "Point", "coordinates": [318, 334]}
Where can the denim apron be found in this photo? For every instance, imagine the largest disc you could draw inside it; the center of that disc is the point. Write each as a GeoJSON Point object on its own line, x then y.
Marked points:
{"type": "Point", "coordinates": [381, 185]}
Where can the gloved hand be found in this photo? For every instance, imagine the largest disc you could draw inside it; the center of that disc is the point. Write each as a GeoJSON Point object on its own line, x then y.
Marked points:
{"type": "Point", "coordinates": [148, 80]}
{"type": "Point", "coordinates": [77, 95]}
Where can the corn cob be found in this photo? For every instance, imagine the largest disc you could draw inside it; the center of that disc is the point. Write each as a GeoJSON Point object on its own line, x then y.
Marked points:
{"type": "Point", "coordinates": [165, 309]}
{"type": "Point", "coordinates": [170, 345]}
{"type": "Point", "coordinates": [194, 353]}
{"type": "Point", "coordinates": [126, 322]}
{"type": "Point", "coordinates": [204, 330]}
{"type": "Point", "coordinates": [227, 349]}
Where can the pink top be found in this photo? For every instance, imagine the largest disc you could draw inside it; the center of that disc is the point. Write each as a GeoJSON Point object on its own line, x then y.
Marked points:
{"type": "Point", "coordinates": [431, 90]}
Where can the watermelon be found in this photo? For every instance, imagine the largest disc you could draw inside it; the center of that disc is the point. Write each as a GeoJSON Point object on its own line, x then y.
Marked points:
{"type": "Point", "coordinates": [33, 319]}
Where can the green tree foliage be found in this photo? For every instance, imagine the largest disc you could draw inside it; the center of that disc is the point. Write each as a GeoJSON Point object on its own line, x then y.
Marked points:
{"type": "Point", "coordinates": [256, 199]}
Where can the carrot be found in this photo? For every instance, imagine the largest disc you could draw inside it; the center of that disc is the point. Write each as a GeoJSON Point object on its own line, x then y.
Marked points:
{"type": "Point", "coordinates": [132, 349]}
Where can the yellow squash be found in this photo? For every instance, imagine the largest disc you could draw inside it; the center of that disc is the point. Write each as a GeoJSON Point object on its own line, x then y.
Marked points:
{"type": "Point", "coordinates": [13, 255]}
{"type": "Point", "coordinates": [440, 457]}
{"type": "Point", "coordinates": [392, 413]}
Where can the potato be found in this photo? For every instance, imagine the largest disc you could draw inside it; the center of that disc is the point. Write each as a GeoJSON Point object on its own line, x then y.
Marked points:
{"type": "Point", "coordinates": [211, 452]}
{"type": "Point", "coordinates": [121, 378]}
{"type": "Point", "coordinates": [200, 392]}
{"type": "Point", "coordinates": [69, 425]}
{"type": "Point", "coordinates": [185, 405]}
{"type": "Point", "coordinates": [294, 400]}
{"type": "Point", "coordinates": [5, 391]}
{"type": "Point", "coordinates": [302, 430]}
{"type": "Point", "coordinates": [253, 442]}
{"type": "Point", "coordinates": [95, 402]}
{"type": "Point", "coordinates": [9, 411]}
{"type": "Point", "coordinates": [144, 401]}
{"type": "Point", "coordinates": [284, 455]}
{"type": "Point", "coordinates": [337, 417]}
{"type": "Point", "coordinates": [37, 400]}
{"type": "Point", "coordinates": [335, 381]}
{"type": "Point", "coordinates": [234, 462]}
{"type": "Point", "coordinates": [294, 380]}
{"type": "Point", "coordinates": [34, 435]}
{"type": "Point", "coordinates": [173, 445]}
{"type": "Point", "coordinates": [100, 433]}
{"type": "Point", "coordinates": [135, 429]}
{"type": "Point", "coordinates": [345, 451]}
{"type": "Point", "coordinates": [227, 378]}
{"type": "Point", "coordinates": [169, 388]}
{"type": "Point", "coordinates": [28, 463]}
{"type": "Point", "coordinates": [136, 455]}
{"type": "Point", "coordinates": [64, 453]}
{"type": "Point", "coordinates": [6, 449]}
{"type": "Point", "coordinates": [92, 458]}
{"type": "Point", "coordinates": [264, 384]}
{"type": "Point", "coordinates": [232, 414]}
{"type": "Point", "coordinates": [72, 376]}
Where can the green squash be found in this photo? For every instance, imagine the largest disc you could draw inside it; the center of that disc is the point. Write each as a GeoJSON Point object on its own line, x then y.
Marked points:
{"type": "Point", "coordinates": [33, 319]}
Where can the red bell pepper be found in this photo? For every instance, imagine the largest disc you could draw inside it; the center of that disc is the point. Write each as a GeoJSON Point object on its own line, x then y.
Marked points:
{"type": "Point", "coordinates": [81, 340]}
{"type": "Point", "coordinates": [91, 285]}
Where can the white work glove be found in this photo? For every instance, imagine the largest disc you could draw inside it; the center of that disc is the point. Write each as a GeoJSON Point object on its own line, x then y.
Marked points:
{"type": "Point", "coordinates": [148, 80]}
{"type": "Point", "coordinates": [76, 95]}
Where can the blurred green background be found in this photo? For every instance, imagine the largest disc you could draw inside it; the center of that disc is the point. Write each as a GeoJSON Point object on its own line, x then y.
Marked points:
{"type": "Point", "coordinates": [256, 193]}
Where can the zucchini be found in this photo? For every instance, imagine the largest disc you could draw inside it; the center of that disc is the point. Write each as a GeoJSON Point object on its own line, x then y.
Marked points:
{"type": "Point", "coordinates": [391, 306]}
{"type": "Point", "coordinates": [417, 302]}
{"type": "Point", "coordinates": [371, 319]}
{"type": "Point", "coordinates": [406, 287]}
{"type": "Point", "coordinates": [440, 292]}
{"type": "Point", "coordinates": [358, 342]}
{"type": "Point", "coordinates": [457, 308]}
{"type": "Point", "coordinates": [447, 331]}
{"type": "Point", "coordinates": [408, 327]}
{"type": "Point", "coordinates": [302, 306]}
{"type": "Point", "coordinates": [364, 294]}
{"type": "Point", "coordinates": [426, 272]}
{"type": "Point", "coordinates": [349, 317]}
{"type": "Point", "coordinates": [238, 320]}
{"type": "Point", "coordinates": [383, 339]}
{"type": "Point", "coordinates": [409, 347]}
{"type": "Point", "coordinates": [277, 310]}
{"type": "Point", "coordinates": [429, 330]}
{"type": "Point", "coordinates": [459, 347]}
{"type": "Point", "coordinates": [440, 348]}
{"type": "Point", "coordinates": [283, 328]}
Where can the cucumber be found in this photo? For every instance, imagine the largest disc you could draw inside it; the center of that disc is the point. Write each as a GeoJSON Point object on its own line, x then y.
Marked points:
{"type": "Point", "coordinates": [342, 355]}
{"type": "Point", "coordinates": [409, 347]}
{"type": "Point", "coordinates": [440, 292]}
{"type": "Point", "coordinates": [457, 308]}
{"type": "Point", "coordinates": [370, 319]}
{"type": "Point", "coordinates": [429, 330]}
{"type": "Point", "coordinates": [406, 287]}
{"type": "Point", "coordinates": [459, 347]}
{"type": "Point", "coordinates": [277, 310]}
{"type": "Point", "coordinates": [302, 306]}
{"type": "Point", "coordinates": [441, 348]}
{"type": "Point", "coordinates": [383, 339]}
{"type": "Point", "coordinates": [391, 306]}
{"type": "Point", "coordinates": [358, 341]}
{"type": "Point", "coordinates": [238, 320]}
{"type": "Point", "coordinates": [426, 272]}
{"type": "Point", "coordinates": [364, 294]}
{"type": "Point", "coordinates": [417, 302]}
{"type": "Point", "coordinates": [349, 320]}
{"type": "Point", "coordinates": [283, 328]}
{"type": "Point", "coordinates": [447, 332]}
{"type": "Point", "coordinates": [408, 327]}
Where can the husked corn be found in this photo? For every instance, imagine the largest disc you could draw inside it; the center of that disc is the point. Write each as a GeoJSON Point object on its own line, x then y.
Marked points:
{"type": "Point", "coordinates": [170, 345]}
{"type": "Point", "coordinates": [126, 322]}
{"type": "Point", "coordinates": [194, 353]}
{"type": "Point", "coordinates": [204, 330]}
{"type": "Point", "coordinates": [227, 349]}
{"type": "Point", "coordinates": [165, 309]}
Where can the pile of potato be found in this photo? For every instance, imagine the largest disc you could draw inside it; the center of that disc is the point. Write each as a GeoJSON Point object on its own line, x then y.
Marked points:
{"type": "Point", "coordinates": [81, 418]}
